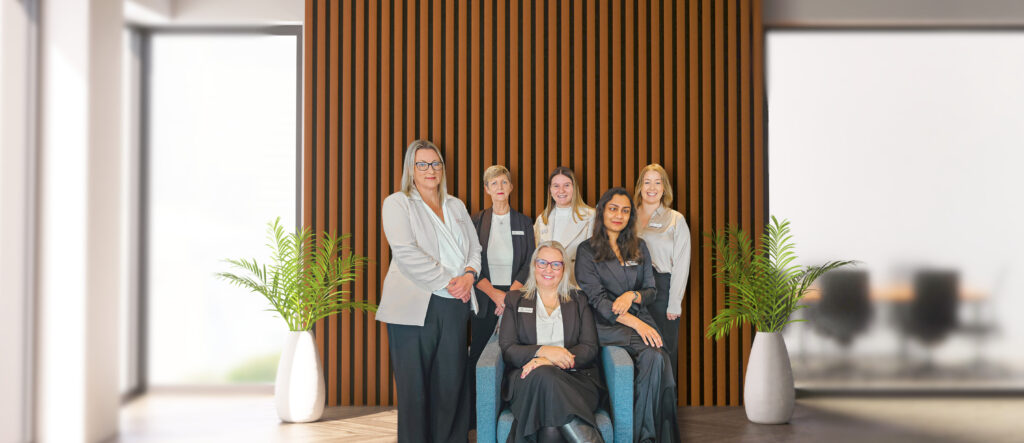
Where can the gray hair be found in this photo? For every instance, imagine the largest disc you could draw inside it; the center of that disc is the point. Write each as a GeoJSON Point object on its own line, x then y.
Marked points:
{"type": "Point", "coordinates": [568, 282]}
{"type": "Point", "coordinates": [409, 168]}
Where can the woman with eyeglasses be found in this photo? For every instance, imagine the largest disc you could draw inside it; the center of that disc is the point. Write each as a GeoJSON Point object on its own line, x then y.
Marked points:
{"type": "Point", "coordinates": [614, 269]}
{"type": "Point", "coordinates": [667, 236]}
{"type": "Point", "coordinates": [566, 218]}
{"type": "Point", "coordinates": [549, 345]}
{"type": "Point", "coordinates": [506, 236]}
{"type": "Point", "coordinates": [426, 298]}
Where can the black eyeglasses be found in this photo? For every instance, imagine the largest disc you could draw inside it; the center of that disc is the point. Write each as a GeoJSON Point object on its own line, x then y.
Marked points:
{"type": "Point", "coordinates": [543, 264]}
{"type": "Point", "coordinates": [422, 166]}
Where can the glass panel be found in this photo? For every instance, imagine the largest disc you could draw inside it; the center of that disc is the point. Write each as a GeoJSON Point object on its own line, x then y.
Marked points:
{"type": "Point", "coordinates": [902, 150]}
{"type": "Point", "coordinates": [222, 165]}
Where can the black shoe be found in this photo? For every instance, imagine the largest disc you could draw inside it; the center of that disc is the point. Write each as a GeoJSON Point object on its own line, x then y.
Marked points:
{"type": "Point", "coordinates": [579, 431]}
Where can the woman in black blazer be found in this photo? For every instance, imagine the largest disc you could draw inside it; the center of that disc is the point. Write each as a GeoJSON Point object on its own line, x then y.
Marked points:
{"type": "Point", "coordinates": [502, 268]}
{"type": "Point", "coordinates": [549, 344]}
{"type": "Point", "coordinates": [614, 269]}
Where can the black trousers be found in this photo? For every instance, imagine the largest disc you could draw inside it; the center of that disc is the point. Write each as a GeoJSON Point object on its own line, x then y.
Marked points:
{"type": "Point", "coordinates": [669, 329]}
{"type": "Point", "coordinates": [429, 363]}
{"type": "Point", "coordinates": [481, 329]}
{"type": "Point", "coordinates": [654, 393]}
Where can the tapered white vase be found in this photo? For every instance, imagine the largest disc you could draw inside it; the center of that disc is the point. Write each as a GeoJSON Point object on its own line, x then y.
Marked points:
{"type": "Point", "coordinates": [299, 387]}
{"type": "Point", "coordinates": [768, 393]}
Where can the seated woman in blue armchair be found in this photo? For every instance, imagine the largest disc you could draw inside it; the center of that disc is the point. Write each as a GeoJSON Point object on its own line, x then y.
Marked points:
{"type": "Point", "coordinates": [549, 342]}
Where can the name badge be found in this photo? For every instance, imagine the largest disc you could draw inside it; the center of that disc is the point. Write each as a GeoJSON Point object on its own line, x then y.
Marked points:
{"type": "Point", "coordinates": [526, 310]}
{"type": "Point", "coordinates": [655, 225]}
{"type": "Point", "coordinates": [518, 233]}
{"type": "Point", "coordinates": [544, 231]}
{"type": "Point", "coordinates": [632, 263]}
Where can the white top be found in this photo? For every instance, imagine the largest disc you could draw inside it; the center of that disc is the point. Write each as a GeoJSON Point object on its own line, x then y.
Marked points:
{"type": "Point", "coordinates": [549, 327]}
{"type": "Point", "coordinates": [562, 225]}
{"type": "Point", "coordinates": [499, 250]}
{"type": "Point", "coordinates": [668, 239]}
{"type": "Point", "coordinates": [449, 246]}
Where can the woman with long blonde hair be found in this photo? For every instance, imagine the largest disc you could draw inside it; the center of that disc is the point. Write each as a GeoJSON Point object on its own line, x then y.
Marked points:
{"type": "Point", "coordinates": [566, 218]}
{"type": "Point", "coordinates": [668, 238]}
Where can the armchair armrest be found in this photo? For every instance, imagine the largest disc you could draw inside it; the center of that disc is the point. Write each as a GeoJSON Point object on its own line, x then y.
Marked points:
{"type": "Point", "coordinates": [489, 371]}
{"type": "Point", "coordinates": [618, 374]}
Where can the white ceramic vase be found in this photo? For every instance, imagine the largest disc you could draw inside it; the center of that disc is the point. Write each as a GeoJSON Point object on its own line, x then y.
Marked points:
{"type": "Point", "coordinates": [768, 393]}
{"type": "Point", "coordinates": [299, 387]}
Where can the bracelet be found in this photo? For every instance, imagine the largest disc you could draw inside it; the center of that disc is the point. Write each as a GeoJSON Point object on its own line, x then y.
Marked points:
{"type": "Point", "coordinates": [636, 295]}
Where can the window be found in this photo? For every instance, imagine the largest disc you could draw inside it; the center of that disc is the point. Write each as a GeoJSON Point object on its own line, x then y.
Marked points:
{"type": "Point", "coordinates": [902, 150]}
{"type": "Point", "coordinates": [221, 164]}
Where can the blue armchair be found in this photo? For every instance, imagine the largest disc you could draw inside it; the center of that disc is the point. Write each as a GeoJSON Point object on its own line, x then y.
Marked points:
{"type": "Point", "coordinates": [494, 420]}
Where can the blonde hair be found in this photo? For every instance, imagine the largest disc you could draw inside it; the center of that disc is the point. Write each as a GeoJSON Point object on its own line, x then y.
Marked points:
{"type": "Point", "coordinates": [409, 168]}
{"type": "Point", "coordinates": [565, 285]}
{"type": "Point", "coordinates": [496, 171]}
{"type": "Point", "coordinates": [666, 184]}
{"type": "Point", "coordinates": [579, 207]}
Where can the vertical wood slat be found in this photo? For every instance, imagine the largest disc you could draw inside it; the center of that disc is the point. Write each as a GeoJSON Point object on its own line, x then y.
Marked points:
{"type": "Point", "coordinates": [533, 84]}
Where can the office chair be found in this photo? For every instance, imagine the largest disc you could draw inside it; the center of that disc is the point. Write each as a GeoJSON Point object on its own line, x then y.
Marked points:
{"type": "Point", "coordinates": [494, 419]}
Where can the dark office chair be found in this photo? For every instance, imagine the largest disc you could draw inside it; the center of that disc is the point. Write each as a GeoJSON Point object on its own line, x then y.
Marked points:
{"type": "Point", "coordinates": [844, 310]}
{"type": "Point", "coordinates": [931, 315]}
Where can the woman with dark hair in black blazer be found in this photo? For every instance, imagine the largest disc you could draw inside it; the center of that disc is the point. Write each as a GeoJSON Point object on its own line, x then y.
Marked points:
{"type": "Point", "coordinates": [549, 344]}
{"type": "Point", "coordinates": [614, 269]}
{"type": "Point", "coordinates": [506, 237]}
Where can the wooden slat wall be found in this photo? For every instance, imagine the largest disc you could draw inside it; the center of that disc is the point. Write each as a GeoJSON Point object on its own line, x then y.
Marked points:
{"type": "Point", "coordinates": [604, 87]}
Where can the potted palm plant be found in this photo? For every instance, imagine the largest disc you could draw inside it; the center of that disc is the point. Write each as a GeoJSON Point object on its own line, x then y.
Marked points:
{"type": "Point", "coordinates": [764, 289]}
{"type": "Point", "coordinates": [303, 284]}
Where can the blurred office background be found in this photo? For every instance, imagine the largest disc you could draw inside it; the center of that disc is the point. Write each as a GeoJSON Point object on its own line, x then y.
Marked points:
{"type": "Point", "coordinates": [901, 148]}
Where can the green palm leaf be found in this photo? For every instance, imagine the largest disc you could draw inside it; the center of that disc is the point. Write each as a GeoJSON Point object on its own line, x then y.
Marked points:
{"type": "Point", "coordinates": [304, 280]}
{"type": "Point", "coordinates": [763, 284]}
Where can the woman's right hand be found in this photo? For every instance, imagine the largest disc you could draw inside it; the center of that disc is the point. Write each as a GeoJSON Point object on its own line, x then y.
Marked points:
{"type": "Point", "coordinates": [558, 355]}
{"type": "Point", "coordinates": [498, 297]}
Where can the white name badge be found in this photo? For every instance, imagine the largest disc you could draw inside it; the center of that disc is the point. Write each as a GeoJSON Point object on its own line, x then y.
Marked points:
{"type": "Point", "coordinates": [518, 233]}
{"type": "Point", "coordinates": [655, 225]}
{"type": "Point", "coordinates": [632, 263]}
{"type": "Point", "coordinates": [525, 310]}
{"type": "Point", "coordinates": [544, 231]}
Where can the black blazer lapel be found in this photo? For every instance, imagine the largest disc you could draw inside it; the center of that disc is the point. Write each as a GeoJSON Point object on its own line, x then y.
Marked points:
{"type": "Point", "coordinates": [484, 234]}
{"type": "Point", "coordinates": [617, 281]}
{"type": "Point", "coordinates": [570, 323]}
{"type": "Point", "coordinates": [518, 243]}
{"type": "Point", "coordinates": [527, 321]}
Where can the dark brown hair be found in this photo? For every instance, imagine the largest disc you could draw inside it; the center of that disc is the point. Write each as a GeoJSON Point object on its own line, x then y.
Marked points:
{"type": "Point", "coordinates": [628, 242]}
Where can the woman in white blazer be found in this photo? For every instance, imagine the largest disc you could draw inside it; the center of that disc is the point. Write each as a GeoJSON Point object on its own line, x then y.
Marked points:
{"type": "Point", "coordinates": [668, 238]}
{"type": "Point", "coordinates": [566, 218]}
{"type": "Point", "coordinates": [426, 298]}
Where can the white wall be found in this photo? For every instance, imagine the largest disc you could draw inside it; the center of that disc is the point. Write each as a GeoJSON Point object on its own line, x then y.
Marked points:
{"type": "Point", "coordinates": [79, 273]}
{"type": "Point", "coordinates": [873, 13]}
{"type": "Point", "coordinates": [15, 222]}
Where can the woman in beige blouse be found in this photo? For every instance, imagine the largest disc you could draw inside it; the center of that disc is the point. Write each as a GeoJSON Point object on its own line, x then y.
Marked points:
{"type": "Point", "coordinates": [566, 218]}
{"type": "Point", "coordinates": [668, 238]}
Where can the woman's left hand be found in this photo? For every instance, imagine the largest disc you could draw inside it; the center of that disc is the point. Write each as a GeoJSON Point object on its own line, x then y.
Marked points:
{"type": "Point", "coordinates": [621, 305]}
{"type": "Point", "coordinates": [461, 287]}
{"type": "Point", "coordinates": [534, 364]}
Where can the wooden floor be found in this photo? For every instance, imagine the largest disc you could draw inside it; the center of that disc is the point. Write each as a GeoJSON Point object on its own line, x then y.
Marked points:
{"type": "Point", "coordinates": [251, 418]}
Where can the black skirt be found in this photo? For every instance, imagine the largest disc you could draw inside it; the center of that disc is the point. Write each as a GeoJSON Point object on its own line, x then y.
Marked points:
{"type": "Point", "coordinates": [549, 396]}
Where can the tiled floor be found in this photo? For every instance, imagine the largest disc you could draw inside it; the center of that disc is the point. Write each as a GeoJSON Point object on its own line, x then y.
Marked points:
{"type": "Point", "coordinates": [171, 417]}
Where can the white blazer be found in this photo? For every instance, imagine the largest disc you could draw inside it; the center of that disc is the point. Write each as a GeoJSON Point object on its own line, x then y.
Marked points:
{"type": "Point", "coordinates": [415, 271]}
{"type": "Point", "coordinates": [581, 231]}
